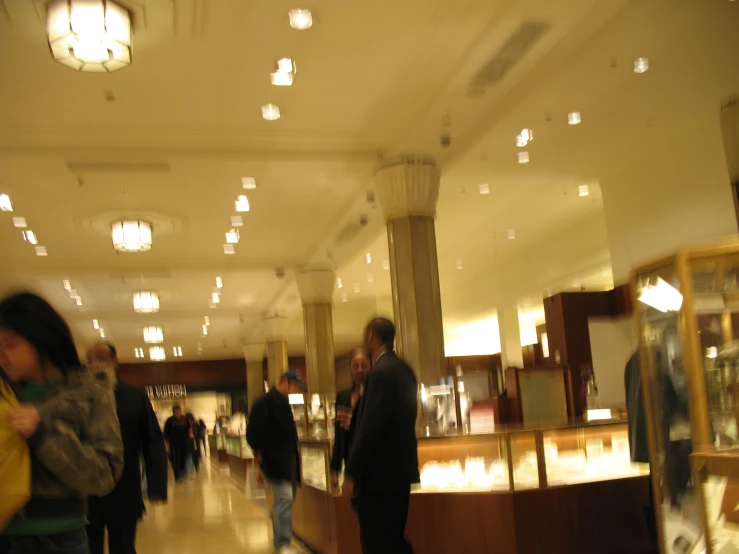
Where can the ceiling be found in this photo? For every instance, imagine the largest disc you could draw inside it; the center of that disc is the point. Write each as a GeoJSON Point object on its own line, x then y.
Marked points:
{"type": "Point", "coordinates": [169, 139]}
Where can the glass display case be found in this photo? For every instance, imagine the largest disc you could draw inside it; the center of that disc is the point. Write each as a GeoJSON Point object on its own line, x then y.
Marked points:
{"type": "Point", "coordinates": [315, 458]}
{"type": "Point", "coordinates": [527, 458]}
{"type": "Point", "coordinates": [717, 480]}
{"type": "Point", "coordinates": [237, 446]}
{"type": "Point", "coordinates": [687, 310]}
{"type": "Point", "coordinates": [321, 416]}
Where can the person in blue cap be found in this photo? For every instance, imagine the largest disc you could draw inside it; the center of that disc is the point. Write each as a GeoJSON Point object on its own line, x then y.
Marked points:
{"type": "Point", "coordinates": [273, 436]}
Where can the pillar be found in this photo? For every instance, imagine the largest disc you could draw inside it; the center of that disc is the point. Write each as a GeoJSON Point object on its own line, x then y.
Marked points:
{"type": "Point", "coordinates": [274, 329]}
{"type": "Point", "coordinates": [730, 133]}
{"type": "Point", "coordinates": [509, 329]}
{"type": "Point", "coordinates": [316, 287]}
{"type": "Point", "coordinates": [408, 189]}
{"type": "Point", "coordinates": [254, 357]}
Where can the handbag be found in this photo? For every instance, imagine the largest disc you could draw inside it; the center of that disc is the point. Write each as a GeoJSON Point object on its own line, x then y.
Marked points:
{"type": "Point", "coordinates": [15, 460]}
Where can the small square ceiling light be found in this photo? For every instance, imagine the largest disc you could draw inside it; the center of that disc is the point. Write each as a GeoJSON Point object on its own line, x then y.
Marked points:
{"type": "Point", "coordinates": [300, 19]}
{"type": "Point", "coordinates": [229, 249]}
{"type": "Point", "coordinates": [270, 112]}
{"type": "Point", "coordinates": [237, 221]}
{"type": "Point", "coordinates": [574, 118]}
{"type": "Point", "coordinates": [219, 282]}
{"type": "Point", "coordinates": [41, 251]}
{"type": "Point", "coordinates": [583, 190]}
{"type": "Point", "coordinates": [5, 204]}
{"type": "Point", "coordinates": [249, 183]}
{"type": "Point", "coordinates": [30, 236]}
{"type": "Point", "coordinates": [484, 188]}
{"type": "Point", "coordinates": [511, 233]}
{"type": "Point", "coordinates": [89, 35]}
{"type": "Point", "coordinates": [641, 65]}
{"type": "Point", "coordinates": [284, 73]}
{"type": "Point", "coordinates": [157, 354]}
{"type": "Point", "coordinates": [232, 237]}
{"type": "Point", "coordinates": [523, 157]}
{"type": "Point", "coordinates": [242, 203]}
{"type": "Point", "coordinates": [20, 222]}
{"type": "Point", "coordinates": [524, 137]}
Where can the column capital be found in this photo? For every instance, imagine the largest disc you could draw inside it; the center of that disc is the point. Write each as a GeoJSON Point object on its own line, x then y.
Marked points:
{"type": "Point", "coordinates": [316, 284]}
{"type": "Point", "coordinates": [254, 353]}
{"type": "Point", "coordinates": [408, 186]}
{"type": "Point", "coordinates": [274, 328]}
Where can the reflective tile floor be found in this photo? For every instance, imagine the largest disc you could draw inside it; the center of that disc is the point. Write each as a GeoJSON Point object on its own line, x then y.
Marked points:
{"type": "Point", "coordinates": [207, 514]}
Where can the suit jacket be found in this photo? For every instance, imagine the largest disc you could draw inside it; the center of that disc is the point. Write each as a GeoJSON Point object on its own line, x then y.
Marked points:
{"type": "Point", "coordinates": [384, 453]}
{"type": "Point", "coordinates": [141, 436]}
{"type": "Point", "coordinates": [271, 432]}
{"type": "Point", "coordinates": [343, 437]}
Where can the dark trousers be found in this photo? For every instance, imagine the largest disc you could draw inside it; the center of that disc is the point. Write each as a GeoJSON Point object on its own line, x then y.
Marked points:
{"type": "Point", "coordinates": [72, 542]}
{"type": "Point", "coordinates": [382, 519]}
{"type": "Point", "coordinates": [121, 537]}
{"type": "Point", "coordinates": [178, 457]}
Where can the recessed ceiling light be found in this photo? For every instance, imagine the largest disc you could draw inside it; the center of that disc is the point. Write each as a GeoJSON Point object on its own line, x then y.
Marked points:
{"type": "Point", "coordinates": [368, 258]}
{"type": "Point", "coordinates": [206, 320]}
{"type": "Point", "coordinates": [339, 284]}
{"type": "Point", "coordinates": [249, 183]}
{"type": "Point", "coordinates": [215, 297]}
{"type": "Point", "coordinates": [232, 237]}
{"type": "Point", "coordinates": [242, 204]}
{"type": "Point", "coordinates": [19, 222]}
{"type": "Point", "coordinates": [102, 333]}
{"type": "Point", "coordinates": [484, 188]}
{"type": "Point", "coordinates": [524, 137]}
{"type": "Point", "coordinates": [511, 234]}
{"type": "Point", "coordinates": [177, 351]}
{"type": "Point", "coordinates": [574, 118]}
{"type": "Point", "coordinates": [229, 249]}
{"type": "Point", "coordinates": [138, 352]}
{"type": "Point", "coordinates": [95, 324]}
{"type": "Point", "coordinates": [67, 285]}
{"type": "Point", "coordinates": [41, 251]}
{"type": "Point", "coordinates": [583, 190]}
{"type": "Point", "coordinates": [153, 334]}
{"type": "Point", "coordinates": [370, 278]}
{"type": "Point", "coordinates": [157, 354]}
{"type": "Point", "coordinates": [237, 221]}
{"type": "Point", "coordinates": [459, 264]}
{"type": "Point", "coordinates": [5, 204]}
{"type": "Point", "coordinates": [78, 300]}
{"type": "Point", "coordinates": [356, 287]}
{"type": "Point", "coordinates": [523, 157]}
{"type": "Point", "coordinates": [205, 330]}
{"type": "Point", "coordinates": [146, 302]}
{"type": "Point", "coordinates": [300, 19]}
{"type": "Point", "coordinates": [212, 306]}
{"type": "Point", "coordinates": [219, 283]}
{"type": "Point", "coordinates": [641, 65]}
{"type": "Point", "coordinates": [285, 65]}
{"type": "Point", "coordinates": [30, 236]}
{"type": "Point", "coordinates": [385, 264]}
{"type": "Point", "coordinates": [270, 112]}
{"type": "Point", "coordinates": [344, 298]}
{"type": "Point", "coordinates": [131, 236]}
{"type": "Point", "coordinates": [281, 79]}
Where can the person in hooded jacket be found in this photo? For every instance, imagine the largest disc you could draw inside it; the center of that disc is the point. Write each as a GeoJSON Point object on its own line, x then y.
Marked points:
{"type": "Point", "coordinates": [69, 420]}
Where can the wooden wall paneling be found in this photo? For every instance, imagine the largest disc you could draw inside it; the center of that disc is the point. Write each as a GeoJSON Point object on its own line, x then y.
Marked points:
{"type": "Point", "coordinates": [194, 373]}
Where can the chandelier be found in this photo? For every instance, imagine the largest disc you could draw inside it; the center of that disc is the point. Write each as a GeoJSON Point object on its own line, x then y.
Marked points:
{"type": "Point", "coordinates": [145, 302]}
{"type": "Point", "coordinates": [131, 236]}
{"type": "Point", "coordinates": [89, 35]}
{"type": "Point", "coordinates": [157, 353]}
{"type": "Point", "coordinates": [153, 335]}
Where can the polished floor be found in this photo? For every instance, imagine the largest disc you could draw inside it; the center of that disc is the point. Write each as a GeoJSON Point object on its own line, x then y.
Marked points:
{"type": "Point", "coordinates": [207, 514]}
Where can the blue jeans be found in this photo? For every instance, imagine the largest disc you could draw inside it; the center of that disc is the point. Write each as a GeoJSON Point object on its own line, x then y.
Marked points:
{"type": "Point", "coordinates": [282, 512]}
{"type": "Point", "coordinates": [72, 542]}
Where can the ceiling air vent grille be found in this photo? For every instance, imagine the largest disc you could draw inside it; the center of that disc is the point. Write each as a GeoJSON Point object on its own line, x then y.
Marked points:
{"type": "Point", "coordinates": [520, 42]}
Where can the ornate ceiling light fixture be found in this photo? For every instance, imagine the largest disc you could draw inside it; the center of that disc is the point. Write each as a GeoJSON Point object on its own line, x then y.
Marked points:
{"type": "Point", "coordinates": [131, 236]}
{"type": "Point", "coordinates": [145, 302]}
{"type": "Point", "coordinates": [89, 35]}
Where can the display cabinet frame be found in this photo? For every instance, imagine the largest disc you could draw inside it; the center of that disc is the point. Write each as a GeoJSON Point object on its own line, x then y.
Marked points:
{"type": "Point", "coordinates": [700, 278]}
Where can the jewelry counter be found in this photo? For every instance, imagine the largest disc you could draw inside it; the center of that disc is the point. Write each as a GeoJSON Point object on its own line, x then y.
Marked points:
{"type": "Point", "coordinates": [519, 490]}
{"type": "Point", "coordinates": [242, 467]}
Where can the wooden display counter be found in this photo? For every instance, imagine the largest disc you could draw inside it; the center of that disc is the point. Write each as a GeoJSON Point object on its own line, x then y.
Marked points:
{"type": "Point", "coordinates": [603, 517]}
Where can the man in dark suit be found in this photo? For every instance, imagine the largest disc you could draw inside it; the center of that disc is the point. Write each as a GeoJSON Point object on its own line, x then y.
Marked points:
{"type": "Point", "coordinates": [383, 463]}
{"type": "Point", "coordinates": [121, 510]}
{"type": "Point", "coordinates": [273, 437]}
{"type": "Point", "coordinates": [347, 402]}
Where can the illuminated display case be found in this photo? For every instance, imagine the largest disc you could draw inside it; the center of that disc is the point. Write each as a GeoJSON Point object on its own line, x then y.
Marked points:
{"type": "Point", "coordinates": [717, 482]}
{"type": "Point", "coordinates": [687, 309]}
{"type": "Point", "coordinates": [315, 456]}
{"type": "Point", "coordinates": [314, 420]}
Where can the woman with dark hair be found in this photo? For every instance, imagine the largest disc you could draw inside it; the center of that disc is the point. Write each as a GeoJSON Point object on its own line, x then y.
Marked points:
{"type": "Point", "coordinates": [69, 420]}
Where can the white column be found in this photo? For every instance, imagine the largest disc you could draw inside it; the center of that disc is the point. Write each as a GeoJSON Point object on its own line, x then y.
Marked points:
{"type": "Point", "coordinates": [274, 329]}
{"type": "Point", "coordinates": [254, 357]}
{"type": "Point", "coordinates": [511, 353]}
{"type": "Point", "coordinates": [408, 189]}
{"type": "Point", "coordinates": [316, 287]}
